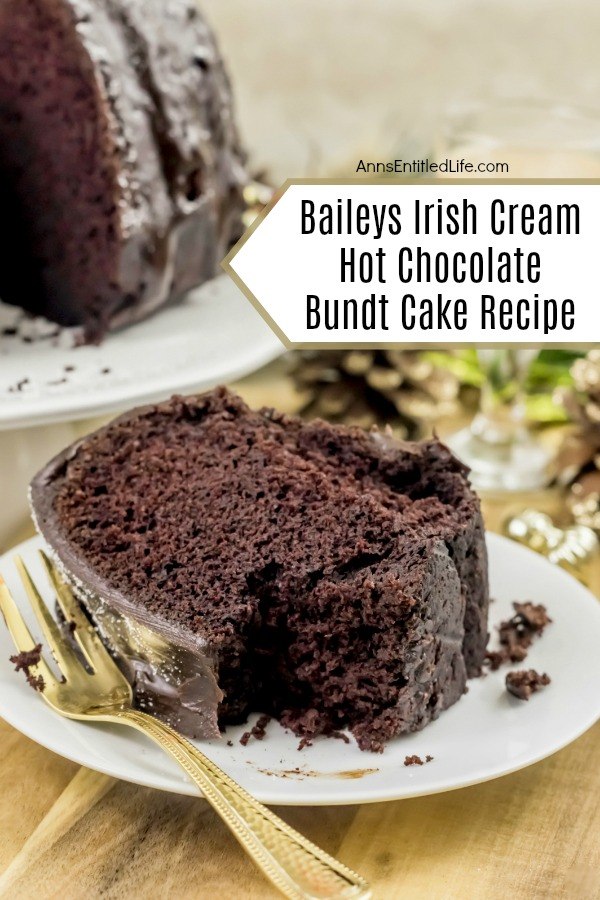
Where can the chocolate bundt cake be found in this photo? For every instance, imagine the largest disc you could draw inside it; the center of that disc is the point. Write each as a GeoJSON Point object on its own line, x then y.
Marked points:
{"type": "Point", "coordinates": [242, 560]}
{"type": "Point", "coordinates": [120, 166]}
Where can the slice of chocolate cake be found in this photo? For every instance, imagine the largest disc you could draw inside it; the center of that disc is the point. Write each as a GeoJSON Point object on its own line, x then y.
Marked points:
{"type": "Point", "coordinates": [120, 165]}
{"type": "Point", "coordinates": [246, 561]}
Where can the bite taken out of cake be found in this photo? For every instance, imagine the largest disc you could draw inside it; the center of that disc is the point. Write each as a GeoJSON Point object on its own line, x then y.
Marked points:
{"type": "Point", "coordinates": [121, 172]}
{"type": "Point", "coordinates": [245, 561]}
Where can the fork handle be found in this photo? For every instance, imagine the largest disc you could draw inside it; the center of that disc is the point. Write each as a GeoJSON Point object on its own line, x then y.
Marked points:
{"type": "Point", "coordinates": [296, 866]}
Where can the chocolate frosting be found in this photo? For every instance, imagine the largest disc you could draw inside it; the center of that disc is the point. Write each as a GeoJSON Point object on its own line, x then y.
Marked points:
{"type": "Point", "coordinates": [171, 669]}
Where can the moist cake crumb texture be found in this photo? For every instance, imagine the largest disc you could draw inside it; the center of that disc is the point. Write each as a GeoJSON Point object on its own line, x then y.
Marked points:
{"type": "Point", "coordinates": [329, 577]}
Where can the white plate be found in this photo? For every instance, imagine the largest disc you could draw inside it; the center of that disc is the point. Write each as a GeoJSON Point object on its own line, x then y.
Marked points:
{"type": "Point", "coordinates": [486, 734]}
{"type": "Point", "coordinates": [213, 335]}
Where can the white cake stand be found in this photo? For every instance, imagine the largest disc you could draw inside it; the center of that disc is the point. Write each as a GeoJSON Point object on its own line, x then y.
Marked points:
{"type": "Point", "coordinates": [48, 383]}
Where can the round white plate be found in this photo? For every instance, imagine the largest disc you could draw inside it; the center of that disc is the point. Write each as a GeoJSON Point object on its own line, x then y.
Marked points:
{"type": "Point", "coordinates": [486, 734]}
{"type": "Point", "coordinates": [213, 335]}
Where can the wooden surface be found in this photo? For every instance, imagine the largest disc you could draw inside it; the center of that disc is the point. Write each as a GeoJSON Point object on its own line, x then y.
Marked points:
{"type": "Point", "coordinates": [68, 832]}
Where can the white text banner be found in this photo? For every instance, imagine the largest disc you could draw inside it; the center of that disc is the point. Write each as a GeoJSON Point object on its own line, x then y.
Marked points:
{"type": "Point", "coordinates": [427, 263]}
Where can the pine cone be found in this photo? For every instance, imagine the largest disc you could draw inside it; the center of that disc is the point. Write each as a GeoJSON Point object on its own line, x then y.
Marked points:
{"type": "Point", "coordinates": [579, 457]}
{"type": "Point", "coordinates": [375, 387]}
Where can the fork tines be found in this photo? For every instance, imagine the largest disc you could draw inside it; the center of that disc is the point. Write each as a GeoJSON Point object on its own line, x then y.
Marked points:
{"type": "Point", "coordinates": [92, 648]}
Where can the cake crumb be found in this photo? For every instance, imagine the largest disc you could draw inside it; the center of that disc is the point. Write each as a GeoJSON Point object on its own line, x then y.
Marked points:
{"type": "Point", "coordinates": [18, 387]}
{"type": "Point", "coordinates": [494, 659]}
{"type": "Point", "coordinates": [524, 683]}
{"type": "Point", "coordinates": [36, 682]}
{"type": "Point", "coordinates": [230, 743]}
{"type": "Point", "coordinates": [305, 742]}
{"type": "Point", "coordinates": [24, 661]}
{"type": "Point", "coordinates": [413, 760]}
{"type": "Point", "coordinates": [518, 633]}
{"type": "Point", "coordinates": [257, 731]}
{"type": "Point", "coordinates": [26, 658]}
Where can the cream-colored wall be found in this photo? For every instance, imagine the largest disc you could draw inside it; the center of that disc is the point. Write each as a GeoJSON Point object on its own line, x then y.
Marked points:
{"type": "Point", "coordinates": [321, 83]}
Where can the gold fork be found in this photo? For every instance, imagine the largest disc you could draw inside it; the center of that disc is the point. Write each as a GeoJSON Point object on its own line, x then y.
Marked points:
{"type": "Point", "coordinates": [295, 865]}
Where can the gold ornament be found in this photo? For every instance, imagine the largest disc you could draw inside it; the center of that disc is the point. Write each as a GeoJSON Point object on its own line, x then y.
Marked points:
{"type": "Point", "coordinates": [572, 548]}
{"type": "Point", "coordinates": [256, 197]}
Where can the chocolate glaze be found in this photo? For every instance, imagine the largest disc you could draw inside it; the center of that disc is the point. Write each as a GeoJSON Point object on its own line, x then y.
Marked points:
{"type": "Point", "coordinates": [172, 680]}
{"type": "Point", "coordinates": [171, 670]}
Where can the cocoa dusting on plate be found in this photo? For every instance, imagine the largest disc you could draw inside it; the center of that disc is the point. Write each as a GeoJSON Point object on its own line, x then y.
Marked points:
{"type": "Point", "coordinates": [518, 633]}
{"type": "Point", "coordinates": [24, 661]}
{"type": "Point", "coordinates": [352, 774]}
{"type": "Point", "coordinates": [526, 682]}
{"type": "Point", "coordinates": [297, 773]}
{"type": "Point", "coordinates": [257, 731]}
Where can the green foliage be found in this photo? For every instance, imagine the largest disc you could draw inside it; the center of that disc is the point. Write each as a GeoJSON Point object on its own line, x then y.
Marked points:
{"type": "Point", "coordinates": [550, 370]}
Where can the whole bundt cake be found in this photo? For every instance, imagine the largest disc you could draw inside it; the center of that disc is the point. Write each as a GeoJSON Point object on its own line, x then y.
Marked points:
{"type": "Point", "coordinates": [120, 167]}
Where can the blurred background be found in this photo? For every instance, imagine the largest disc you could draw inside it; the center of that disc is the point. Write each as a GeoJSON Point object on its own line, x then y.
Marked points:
{"type": "Point", "coordinates": [320, 85]}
